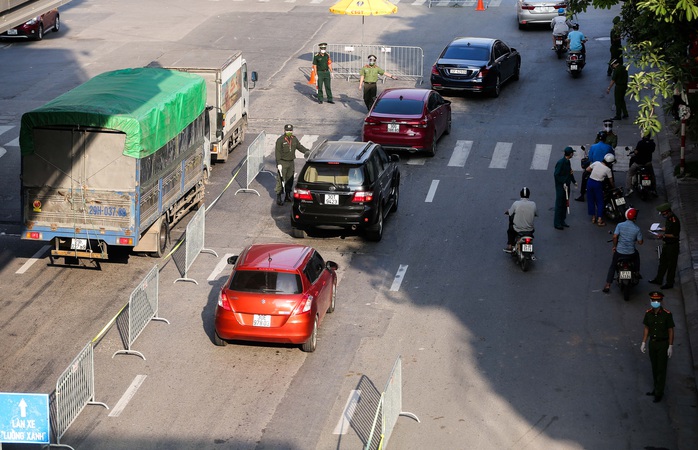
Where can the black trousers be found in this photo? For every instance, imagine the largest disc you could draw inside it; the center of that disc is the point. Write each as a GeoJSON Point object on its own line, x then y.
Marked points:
{"type": "Point", "coordinates": [370, 93]}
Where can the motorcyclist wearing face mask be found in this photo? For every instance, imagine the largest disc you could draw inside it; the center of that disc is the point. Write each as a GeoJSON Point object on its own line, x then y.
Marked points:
{"type": "Point", "coordinates": [658, 338]}
{"type": "Point", "coordinates": [369, 77]}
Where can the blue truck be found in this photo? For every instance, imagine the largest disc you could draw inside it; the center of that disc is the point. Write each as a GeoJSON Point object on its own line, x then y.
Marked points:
{"type": "Point", "coordinates": [115, 162]}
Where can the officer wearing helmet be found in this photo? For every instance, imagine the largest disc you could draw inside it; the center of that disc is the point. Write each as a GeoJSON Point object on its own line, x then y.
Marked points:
{"type": "Point", "coordinates": [285, 153]}
{"type": "Point", "coordinates": [599, 171]}
{"type": "Point", "coordinates": [521, 216]}
{"type": "Point", "coordinates": [625, 236]}
{"type": "Point", "coordinates": [561, 25]}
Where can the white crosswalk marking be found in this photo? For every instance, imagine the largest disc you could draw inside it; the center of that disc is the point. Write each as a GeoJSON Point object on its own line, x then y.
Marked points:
{"type": "Point", "coordinates": [419, 2]}
{"type": "Point", "coordinates": [13, 143]}
{"type": "Point", "coordinates": [417, 160]}
{"type": "Point", "coordinates": [349, 138]}
{"type": "Point", "coordinates": [541, 156]}
{"type": "Point", "coordinates": [4, 128]}
{"type": "Point", "coordinates": [432, 191]}
{"type": "Point", "coordinates": [500, 157]}
{"type": "Point", "coordinates": [460, 153]}
{"type": "Point", "coordinates": [2, 152]}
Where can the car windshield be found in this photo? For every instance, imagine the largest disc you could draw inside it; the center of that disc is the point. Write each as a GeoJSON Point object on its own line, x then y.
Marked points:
{"type": "Point", "coordinates": [399, 106]}
{"type": "Point", "coordinates": [336, 174]}
{"type": "Point", "coordinates": [263, 281]}
{"type": "Point", "coordinates": [467, 52]}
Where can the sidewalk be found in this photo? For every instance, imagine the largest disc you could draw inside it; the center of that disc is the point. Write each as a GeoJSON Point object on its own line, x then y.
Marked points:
{"type": "Point", "coordinates": [683, 195]}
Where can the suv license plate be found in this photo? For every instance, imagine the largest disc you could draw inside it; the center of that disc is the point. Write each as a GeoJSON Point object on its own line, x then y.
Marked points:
{"type": "Point", "coordinates": [625, 275]}
{"type": "Point", "coordinates": [332, 199]}
{"type": "Point", "coordinates": [261, 320]}
{"type": "Point", "coordinates": [527, 248]}
{"type": "Point", "coordinates": [620, 201]}
{"type": "Point", "coordinates": [78, 244]}
{"type": "Point", "coordinates": [393, 128]}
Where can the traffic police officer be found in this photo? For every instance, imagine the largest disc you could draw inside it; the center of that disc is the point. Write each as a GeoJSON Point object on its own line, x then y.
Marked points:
{"type": "Point", "coordinates": [659, 331]}
{"type": "Point", "coordinates": [563, 177]}
{"type": "Point", "coordinates": [286, 146]}
{"type": "Point", "coordinates": [369, 77]}
{"type": "Point", "coordinates": [322, 64]}
{"type": "Point", "coordinates": [670, 248]}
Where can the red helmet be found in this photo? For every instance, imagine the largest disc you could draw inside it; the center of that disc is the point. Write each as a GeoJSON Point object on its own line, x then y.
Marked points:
{"type": "Point", "coordinates": [631, 214]}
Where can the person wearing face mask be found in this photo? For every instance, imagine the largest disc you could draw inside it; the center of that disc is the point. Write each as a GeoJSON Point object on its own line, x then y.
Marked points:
{"type": "Point", "coordinates": [611, 137]}
{"type": "Point", "coordinates": [322, 65]}
{"type": "Point", "coordinates": [658, 338]}
{"type": "Point", "coordinates": [369, 77]}
{"type": "Point", "coordinates": [670, 248]}
{"type": "Point", "coordinates": [286, 146]}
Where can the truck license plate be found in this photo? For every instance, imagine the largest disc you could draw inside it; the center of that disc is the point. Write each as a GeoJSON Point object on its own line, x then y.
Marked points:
{"type": "Point", "coordinates": [620, 201]}
{"type": "Point", "coordinates": [332, 199]}
{"type": "Point", "coordinates": [527, 248]}
{"type": "Point", "coordinates": [625, 275]}
{"type": "Point", "coordinates": [261, 320]}
{"type": "Point", "coordinates": [393, 128]}
{"type": "Point", "coordinates": [78, 244]}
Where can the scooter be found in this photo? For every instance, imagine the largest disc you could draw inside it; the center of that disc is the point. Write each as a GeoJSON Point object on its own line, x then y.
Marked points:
{"type": "Point", "coordinates": [575, 62]}
{"type": "Point", "coordinates": [523, 251]}
{"type": "Point", "coordinates": [560, 45]}
{"type": "Point", "coordinates": [614, 203]}
{"type": "Point", "coordinates": [642, 180]}
{"type": "Point", "coordinates": [626, 276]}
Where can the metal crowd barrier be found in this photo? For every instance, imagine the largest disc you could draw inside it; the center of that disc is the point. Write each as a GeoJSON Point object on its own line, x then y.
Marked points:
{"type": "Point", "coordinates": [402, 61]}
{"type": "Point", "coordinates": [194, 242]}
{"type": "Point", "coordinates": [389, 408]}
{"type": "Point", "coordinates": [75, 389]}
{"type": "Point", "coordinates": [255, 162]}
{"type": "Point", "coordinates": [142, 308]}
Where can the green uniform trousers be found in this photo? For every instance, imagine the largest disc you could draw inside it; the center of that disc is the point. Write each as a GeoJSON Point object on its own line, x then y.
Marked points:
{"type": "Point", "coordinates": [324, 79]}
{"type": "Point", "coordinates": [659, 360]}
{"type": "Point", "coordinates": [667, 262]}
{"type": "Point", "coordinates": [560, 205]}
{"type": "Point", "coordinates": [619, 97]}
{"type": "Point", "coordinates": [287, 174]}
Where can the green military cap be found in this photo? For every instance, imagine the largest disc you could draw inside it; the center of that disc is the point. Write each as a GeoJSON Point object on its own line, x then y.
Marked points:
{"type": "Point", "coordinates": [322, 45]}
{"type": "Point", "coordinates": [569, 150]}
{"type": "Point", "coordinates": [288, 127]}
{"type": "Point", "coordinates": [664, 207]}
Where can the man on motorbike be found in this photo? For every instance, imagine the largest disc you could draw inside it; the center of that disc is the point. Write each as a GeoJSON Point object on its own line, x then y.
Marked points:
{"type": "Point", "coordinates": [642, 157]}
{"type": "Point", "coordinates": [576, 40]}
{"type": "Point", "coordinates": [625, 236]}
{"type": "Point", "coordinates": [561, 26]}
{"type": "Point", "coordinates": [521, 215]}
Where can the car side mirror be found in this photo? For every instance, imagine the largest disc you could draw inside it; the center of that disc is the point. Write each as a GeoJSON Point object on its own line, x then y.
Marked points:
{"type": "Point", "coordinates": [331, 265]}
{"type": "Point", "coordinates": [233, 259]}
{"type": "Point", "coordinates": [254, 78]}
{"type": "Point", "coordinates": [395, 158]}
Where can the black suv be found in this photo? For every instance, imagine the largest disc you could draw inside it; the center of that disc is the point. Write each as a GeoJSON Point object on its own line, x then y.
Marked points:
{"type": "Point", "coordinates": [346, 184]}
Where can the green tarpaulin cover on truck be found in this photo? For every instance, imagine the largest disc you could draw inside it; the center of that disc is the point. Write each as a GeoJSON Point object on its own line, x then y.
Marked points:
{"type": "Point", "coordinates": [150, 105]}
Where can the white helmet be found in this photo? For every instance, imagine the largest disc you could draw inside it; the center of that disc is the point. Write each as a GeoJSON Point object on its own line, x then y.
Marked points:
{"type": "Point", "coordinates": [609, 158]}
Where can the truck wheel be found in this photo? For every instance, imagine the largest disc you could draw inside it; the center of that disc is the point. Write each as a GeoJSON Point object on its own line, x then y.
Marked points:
{"type": "Point", "coordinates": [163, 238]}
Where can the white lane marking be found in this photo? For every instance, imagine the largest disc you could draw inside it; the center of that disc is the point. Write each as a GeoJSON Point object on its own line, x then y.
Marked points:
{"type": "Point", "coordinates": [128, 395]}
{"type": "Point", "coordinates": [417, 161]}
{"type": "Point", "coordinates": [399, 276]}
{"type": "Point", "coordinates": [541, 156]}
{"type": "Point", "coordinates": [419, 2]}
{"type": "Point", "coordinates": [349, 408]}
{"type": "Point", "coordinates": [432, 191]}
{"type": "Point", "coordinates": [13, 143]}
{"type": "Point", "coordinates": [349, 138]}
{"type": "Point", "coordinates": [2, 152]}
{"type": "Point", "coordinates": [307, 141]}
{"type": "Point", "coordinates": [38, 255]}
{"type": "Point", "coordinates": [460, 153]}
{"type": "Point", "coordinates": [4, 128]}
{"type": "Point", "coordinates": [500, 157]}
{"type": "Point", "coordinates": [219, 267]}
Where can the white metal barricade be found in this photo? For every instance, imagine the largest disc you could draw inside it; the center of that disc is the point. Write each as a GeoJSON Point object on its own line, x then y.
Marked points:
{"type": "Point", "coordinates": [402, 61]}
{"type": "Point", "coordinates": [255, 162]}
{"type": "Point", "coordinates": [194, 242]}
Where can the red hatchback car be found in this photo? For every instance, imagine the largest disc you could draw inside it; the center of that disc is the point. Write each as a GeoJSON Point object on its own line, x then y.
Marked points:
{"type": "Point", "coordinates": [276, 293]}
{"type": "Point", "coordinates": [36, 27]}
{"type": "Point", "coordinates": [408, 120]}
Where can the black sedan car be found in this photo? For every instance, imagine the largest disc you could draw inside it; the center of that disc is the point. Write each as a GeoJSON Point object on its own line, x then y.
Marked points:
{"type": "Point", "coordinates": [475, 64]}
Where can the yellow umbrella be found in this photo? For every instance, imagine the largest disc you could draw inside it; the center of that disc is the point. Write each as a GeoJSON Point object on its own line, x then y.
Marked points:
{"type": "Point", "coordinates": [363, 8]}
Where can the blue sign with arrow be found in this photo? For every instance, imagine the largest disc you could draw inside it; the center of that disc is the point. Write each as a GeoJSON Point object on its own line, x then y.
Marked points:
{"type": "Point", "coordinates": [24, 418]}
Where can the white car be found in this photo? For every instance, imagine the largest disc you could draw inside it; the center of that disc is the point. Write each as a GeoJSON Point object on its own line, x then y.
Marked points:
{"type": "Point", "coordinates": [537, 11]}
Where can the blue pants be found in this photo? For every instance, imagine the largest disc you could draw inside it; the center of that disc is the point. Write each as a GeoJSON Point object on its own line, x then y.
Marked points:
{"type": "Point", "coordinates": [595, 198]}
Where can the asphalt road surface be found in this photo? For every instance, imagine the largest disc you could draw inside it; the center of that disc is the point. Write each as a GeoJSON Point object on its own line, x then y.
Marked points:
{"type": "Point", "coordinates": [492, 357]}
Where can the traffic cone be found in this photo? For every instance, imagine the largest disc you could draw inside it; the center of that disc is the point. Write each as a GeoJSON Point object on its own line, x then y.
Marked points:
{"type": "Point", "coordinates": [312, 74]}
{"type": "Point", "coordinates": [480, 6]}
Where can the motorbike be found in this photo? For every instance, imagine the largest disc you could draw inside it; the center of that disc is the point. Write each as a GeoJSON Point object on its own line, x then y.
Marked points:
{"type": "Point", "coordinates": [575, 63]}
{"type": "Point", "coordinates": [626, 276]}
{"type": "Point", "coordinates": [614, 203]}
{"type": "Point", "coordinates": [642, 181]}
{"type": "Point", "coordinates": [523, 251]}
{"type": "Point", "coordinates": [560, 45]}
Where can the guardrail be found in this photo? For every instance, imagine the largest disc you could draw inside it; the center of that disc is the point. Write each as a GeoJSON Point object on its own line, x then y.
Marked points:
{"type": "Point", "coordinates": [194, 242]}
{"type": "Point", "coordinates": [402, 61]}
{"type": "Point", "coordinates": [255, 162]}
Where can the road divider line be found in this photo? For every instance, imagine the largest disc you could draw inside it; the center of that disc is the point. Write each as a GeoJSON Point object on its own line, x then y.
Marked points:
{"type": "Point", "coordinates": [344, 422]}
{"type": "Point", "coordinates": [541, 156]}
{"type": "Point", "coordinates": [399, 276]}
{"type": "Point", "coordinates": [37, 256]}
{"type": "Point", "coordinates": [219, 267]}
{"type": "Point", "coordinates": [500, 157]}
{"type": "Point", "coordinates": [432, 191]}
{"type": "Point", "coordinates": [460, 153]}
{"type": "Point", "coordinates": [128, 395]}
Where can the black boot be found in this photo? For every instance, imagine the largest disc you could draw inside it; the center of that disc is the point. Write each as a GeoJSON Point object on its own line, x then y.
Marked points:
{"type": "Point", "coordinates": [580, 198]}
{"type": "Point", "coordinates": [279, 200]}
{"type": "Point", "coordinates": [288, 198]}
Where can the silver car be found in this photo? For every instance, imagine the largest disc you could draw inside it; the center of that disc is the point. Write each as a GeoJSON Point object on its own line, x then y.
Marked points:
{"type": "Point", "coordinates": [537, 11]}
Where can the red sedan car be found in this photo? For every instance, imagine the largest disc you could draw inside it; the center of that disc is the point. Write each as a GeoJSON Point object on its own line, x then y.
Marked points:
{"type": "Point", "coordinates": [36, 27]}
{"type": "Point", "coordinates": [408, 120]}
{"type": "Point", "coordinates": [276, 293]}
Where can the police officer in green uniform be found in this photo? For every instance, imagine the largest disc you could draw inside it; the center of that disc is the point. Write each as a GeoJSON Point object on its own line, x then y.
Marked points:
{"type": "Point", "coordinates": [369, 77]}
{"type": "Point", "coordinates": [619, 77]}
{"type": "Point", "coordinates": [616, 43]}
{"type": "Point", "coordinates": [286, 146]}
{"type": "Point", "coordinates": [658, 338]}
{"type": "Point", "coordinates": [322, 63]}
{"type": "Point", "coordinates": [670, 248]}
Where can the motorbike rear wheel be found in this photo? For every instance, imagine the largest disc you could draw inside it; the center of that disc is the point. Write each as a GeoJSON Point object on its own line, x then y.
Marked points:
{"type": "Point", "coordinates": [525, 264]}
